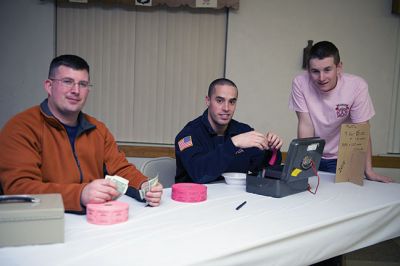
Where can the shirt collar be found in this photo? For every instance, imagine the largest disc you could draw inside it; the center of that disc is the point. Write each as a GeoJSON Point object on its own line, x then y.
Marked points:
{"type": "Point", "coordinates": [83, 123]}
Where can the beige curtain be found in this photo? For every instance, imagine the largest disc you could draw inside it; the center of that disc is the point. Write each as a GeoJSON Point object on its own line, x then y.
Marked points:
{"type": "Point", "coordinates": [150, 69]}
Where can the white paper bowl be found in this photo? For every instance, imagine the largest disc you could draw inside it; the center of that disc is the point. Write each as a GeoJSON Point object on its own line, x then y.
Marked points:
{"type": "Point", "coordinates": [235, 178]}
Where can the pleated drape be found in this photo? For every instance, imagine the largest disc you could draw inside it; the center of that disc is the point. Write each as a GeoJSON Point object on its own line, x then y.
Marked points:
{"type": "Point", "coordinates": [150, 68]}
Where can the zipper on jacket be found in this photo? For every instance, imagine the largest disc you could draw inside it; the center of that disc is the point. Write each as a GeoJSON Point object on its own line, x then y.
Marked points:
{"type": "Point", "coordinates": [79, 166]}
{"type": "Point", "coordinates": [68, 131]}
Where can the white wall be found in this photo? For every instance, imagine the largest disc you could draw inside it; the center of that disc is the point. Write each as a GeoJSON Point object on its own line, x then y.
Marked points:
{"type": "Point", "coordinates": [26, 49]}
{"type": "Point", "coordinates": [264, 52]}
{"type": "Point", "coordinates": [265, 47]}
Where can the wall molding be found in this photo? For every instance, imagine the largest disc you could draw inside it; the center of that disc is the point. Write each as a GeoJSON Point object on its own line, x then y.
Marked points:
{"type": "Point", "coordinates": [156, 151]}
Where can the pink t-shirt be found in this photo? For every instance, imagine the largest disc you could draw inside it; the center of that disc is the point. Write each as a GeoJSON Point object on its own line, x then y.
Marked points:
{"type": "Point", "coordinates": [348, 102]}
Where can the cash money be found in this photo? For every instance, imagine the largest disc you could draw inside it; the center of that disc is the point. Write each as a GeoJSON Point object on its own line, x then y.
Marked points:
{"type": "Point", "coordinates": [122, 183]}
{"type": "Point", "coordinates": [151, 182]}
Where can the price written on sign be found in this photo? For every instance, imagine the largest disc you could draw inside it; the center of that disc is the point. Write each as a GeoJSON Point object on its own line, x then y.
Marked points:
{"type": "Point", "coordinates": [354, 141]}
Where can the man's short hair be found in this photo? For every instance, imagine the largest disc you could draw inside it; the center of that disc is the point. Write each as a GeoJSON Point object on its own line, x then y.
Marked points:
{"type": "Point", "coordinates": [323, 50]}
{"type": "Point", "coordinates": [72, 61]}
{"type": "Point", "coordinates": [220, 81]}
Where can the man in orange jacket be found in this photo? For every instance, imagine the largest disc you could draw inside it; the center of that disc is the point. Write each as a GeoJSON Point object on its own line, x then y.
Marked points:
{"type": "Point", "coordinates": [56, 148]}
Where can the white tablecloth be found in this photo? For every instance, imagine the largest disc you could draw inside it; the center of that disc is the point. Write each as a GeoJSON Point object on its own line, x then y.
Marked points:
{"type": "Point", "coordinates": [295, 230]}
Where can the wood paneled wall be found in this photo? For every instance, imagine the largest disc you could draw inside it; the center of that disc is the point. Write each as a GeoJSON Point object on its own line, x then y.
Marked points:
{"type": "Point", "coordinates": [151, 152]}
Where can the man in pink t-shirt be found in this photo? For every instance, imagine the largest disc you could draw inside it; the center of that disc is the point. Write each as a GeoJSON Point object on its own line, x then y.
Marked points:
{"type": "Point", "coordinates": [324, 98]}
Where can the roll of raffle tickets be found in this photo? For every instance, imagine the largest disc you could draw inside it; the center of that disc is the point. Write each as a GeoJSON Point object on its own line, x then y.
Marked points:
{"type": "Point", "coordinates": [111, 212]}
{"type": "Point", "coordinates": [189, 192]}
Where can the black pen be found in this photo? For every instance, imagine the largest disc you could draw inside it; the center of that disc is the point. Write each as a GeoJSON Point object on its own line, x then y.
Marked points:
{"type": "Point", "coordinates": [241, 205]}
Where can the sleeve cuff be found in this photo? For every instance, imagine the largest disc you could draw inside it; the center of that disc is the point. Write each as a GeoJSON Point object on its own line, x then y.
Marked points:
{"type": "Point", "coordinates": [134, 193]}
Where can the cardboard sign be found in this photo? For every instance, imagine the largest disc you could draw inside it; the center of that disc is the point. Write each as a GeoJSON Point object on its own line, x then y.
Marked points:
{"type": "Point", "coordinates": [354, 141]}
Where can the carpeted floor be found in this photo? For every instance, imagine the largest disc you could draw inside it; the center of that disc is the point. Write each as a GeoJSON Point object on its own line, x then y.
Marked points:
{"type": "Point", "coordinates": [386, 253]}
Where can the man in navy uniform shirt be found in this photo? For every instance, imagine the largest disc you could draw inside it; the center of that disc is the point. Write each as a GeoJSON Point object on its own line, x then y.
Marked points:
{"type": "Point", "coordinates": [214, 143]}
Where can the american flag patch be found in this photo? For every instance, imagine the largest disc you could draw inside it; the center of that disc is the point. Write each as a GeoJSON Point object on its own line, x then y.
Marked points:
{"type": "Point", "coordinates": [184, 143]}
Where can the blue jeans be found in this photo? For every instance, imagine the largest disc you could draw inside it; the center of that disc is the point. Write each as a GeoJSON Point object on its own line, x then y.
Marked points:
{"type": "Point", "coordinates": [328, 165]}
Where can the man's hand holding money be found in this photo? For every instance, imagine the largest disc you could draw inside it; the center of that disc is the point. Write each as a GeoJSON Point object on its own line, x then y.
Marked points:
{"type": "Point", "coordinates": [152, 195]}
{"type": "Point", "coordinates": [120, 183]}
{"type": "Point", "coordinates": [99, 191]}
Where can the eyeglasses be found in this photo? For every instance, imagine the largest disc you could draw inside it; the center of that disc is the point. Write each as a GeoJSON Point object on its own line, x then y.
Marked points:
{"type": "Point", "coordinates": [70, 83]}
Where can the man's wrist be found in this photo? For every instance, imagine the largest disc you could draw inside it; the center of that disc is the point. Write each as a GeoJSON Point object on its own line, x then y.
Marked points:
{"type": "Point", "coordinates": [234, 141]}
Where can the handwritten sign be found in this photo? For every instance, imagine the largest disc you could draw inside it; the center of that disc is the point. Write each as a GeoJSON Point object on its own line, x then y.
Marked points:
{"type": "Point", "coordinates": [354, 141]}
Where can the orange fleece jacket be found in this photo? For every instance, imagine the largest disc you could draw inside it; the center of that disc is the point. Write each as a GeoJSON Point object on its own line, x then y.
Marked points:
{"type": "Point", "coordinates": [36, 156]}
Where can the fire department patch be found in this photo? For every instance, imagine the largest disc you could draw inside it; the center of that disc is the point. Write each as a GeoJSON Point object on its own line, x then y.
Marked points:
{"type": "Point", "coordinates": [342, 110]}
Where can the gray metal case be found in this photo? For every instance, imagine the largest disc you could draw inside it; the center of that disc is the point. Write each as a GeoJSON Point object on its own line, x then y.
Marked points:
{"type": "Point", "coordinates": [29, 222]}
{"type": "Point", "coordinates": [280, 183]}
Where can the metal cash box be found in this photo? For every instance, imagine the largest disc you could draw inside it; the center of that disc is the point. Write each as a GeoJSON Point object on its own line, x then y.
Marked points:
{"type": "Point", "coordinates": [31, 219]}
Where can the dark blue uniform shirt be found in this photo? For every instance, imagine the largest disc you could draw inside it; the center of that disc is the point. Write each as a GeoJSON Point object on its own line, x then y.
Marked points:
{"type": "Point", "coordinates": [202, 156]}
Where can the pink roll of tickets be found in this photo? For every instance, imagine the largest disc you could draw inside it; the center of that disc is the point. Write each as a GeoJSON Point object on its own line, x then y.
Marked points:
{"type": "Point", "coordinates": [189, 192]}
{"type": "Point", "coordinates": [111, 212]}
